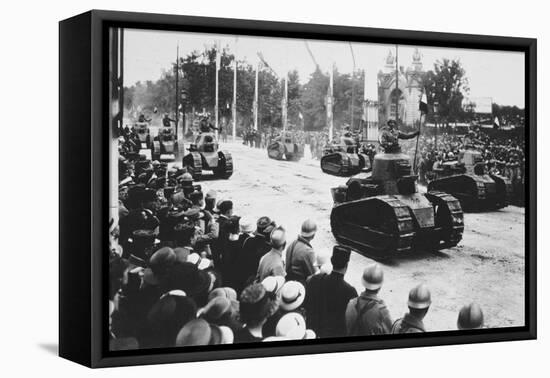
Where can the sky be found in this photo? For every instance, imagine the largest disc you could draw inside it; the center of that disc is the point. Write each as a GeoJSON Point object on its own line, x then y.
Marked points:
{"type": "Point", "coordinates": [495, 74]}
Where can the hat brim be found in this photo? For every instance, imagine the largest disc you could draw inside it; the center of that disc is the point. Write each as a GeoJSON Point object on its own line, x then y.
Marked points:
{"type": "Point", "coordinates": [308, 234]}
{"type": "Point", "coordinates": [419, 305]}
{"type": "Point", "coordinates": [371, 286]}
{"type": "Point", "coordinates": [294, 305]}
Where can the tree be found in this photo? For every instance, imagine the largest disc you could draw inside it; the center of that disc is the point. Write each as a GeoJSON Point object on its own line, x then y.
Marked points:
{"type": "Point", "coordinates": [313, 101]}
{"type": "Point", "coordinates": [294, 98]}
{"type": "Point", "coordinates": [446, 85]}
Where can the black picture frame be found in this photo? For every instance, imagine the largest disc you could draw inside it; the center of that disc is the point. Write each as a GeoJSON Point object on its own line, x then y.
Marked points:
{"type": "Point", "coordinates": [83, 196]}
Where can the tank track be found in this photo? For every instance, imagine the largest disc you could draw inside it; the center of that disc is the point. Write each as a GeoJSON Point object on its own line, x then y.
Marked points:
{"type": "Point", "coordinates": [277, 152]}
{"type": "Point", "coordinates": [453, 232]}
{"type": "Point", "coordinates": [395, 241]}
{"type": "Point", "coordinates": [347, 166]}
{"type": "Point", "coordinates": [228, 171]}
{"type": "Point", "coordinates": [197, 165]}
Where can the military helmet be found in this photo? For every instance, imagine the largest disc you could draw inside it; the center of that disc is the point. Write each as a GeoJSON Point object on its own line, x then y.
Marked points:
{"type": "Point", "coordinates": [186, 178]}
{"type": "Point", "coordinates": [373, 276]}
{"type": "Point", "coordinates": [309, 228]}
{"type": "Point", "coordinates": [391, 122]}
{"type": "Point", "coordinates": [470, 317]}
{"type": "Point", "coordinates": [420, 297]}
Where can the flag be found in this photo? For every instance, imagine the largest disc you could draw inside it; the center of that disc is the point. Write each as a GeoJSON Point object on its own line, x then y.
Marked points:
{"type": "Point", "coordinates": [423, 106]}
{"type": "Point", "coordinates": [496, 123]}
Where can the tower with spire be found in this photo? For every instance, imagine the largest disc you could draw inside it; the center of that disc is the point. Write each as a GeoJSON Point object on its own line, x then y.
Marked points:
{"type": "Point", "coordinates": [409, 89]}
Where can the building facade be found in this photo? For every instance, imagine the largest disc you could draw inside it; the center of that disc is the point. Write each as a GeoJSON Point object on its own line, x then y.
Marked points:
{"type": "Point", "coordinates": [400, 102]}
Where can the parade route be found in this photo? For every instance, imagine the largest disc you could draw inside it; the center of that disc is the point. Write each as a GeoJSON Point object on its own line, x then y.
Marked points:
{"type": "Point", "coordinates": [486, 267]}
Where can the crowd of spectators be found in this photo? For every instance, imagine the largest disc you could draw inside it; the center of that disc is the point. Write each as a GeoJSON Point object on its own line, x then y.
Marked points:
{"type": "Point", "coordinates": [185, 270]}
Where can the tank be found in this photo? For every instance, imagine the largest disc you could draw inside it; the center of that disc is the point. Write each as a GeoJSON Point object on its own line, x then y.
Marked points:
{"type": "Point", "coordinates": [285, 147]}
{"type": "Point", "coordinates": [468, 180]}
{"type": "Point", "coordinates": [344, 159]}
{"type": "Point", "coordinates": [145, 144]}
{"type": "Point", "coordinates": [381, 213]}
{"type": "Point", "coordinates": [165, 146]}
{"type": "Point", "coordinates": [204, 156]}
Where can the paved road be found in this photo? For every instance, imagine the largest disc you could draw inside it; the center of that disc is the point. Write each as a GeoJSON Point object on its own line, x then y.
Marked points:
{"type": "Point", "coordinates": [486, 267]}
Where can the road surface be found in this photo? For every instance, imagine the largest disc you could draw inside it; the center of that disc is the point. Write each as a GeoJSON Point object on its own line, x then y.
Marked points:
{"type": "Point", "coordinates": [486, 267]}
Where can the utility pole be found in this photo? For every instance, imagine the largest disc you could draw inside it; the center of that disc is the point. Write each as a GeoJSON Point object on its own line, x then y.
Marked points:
{"type": "Point", "coordinates": [234, 109]}
{"type": "Point", "coordinates": [365, 106]}
{"type": "Point", "coordinates": [330, 101]}
{"type": "Point", "coordinates": [218, 64]}
{"type": "Point", "coordinates": [352, 108]}
{"type": "Point", "coordinates": [285, 103]}
{"type": "Point", "coordinates": [256, 98]}
{"type": "Point", "coordinates": [177, 87]}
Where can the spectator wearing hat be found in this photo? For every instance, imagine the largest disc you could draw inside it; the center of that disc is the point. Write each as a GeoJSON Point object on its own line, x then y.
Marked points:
{"type": "Point", "coordinates": [419, 304]}
{"type": "Point", "coordinates": [225, 211]}
{"type": "Point", "coordinates": [271, 264]}
{"type": "Point", "coordinates": [231, 252]}
{"type": "Point", "coordinates": [184, 239]}
{"type": "Point", "coordinates": [220, 311]}
{"type": "Point", "coordinates": [199, 332]}
{"type": "Point", "coordinates": [300, 256]}
{"type": "Point", "coordinates": [291, 299]}
{"type": "Point", "coordinates": [167, 316]}
{"type": "Point", "coordinates": [210, 201]}
{"type": "Point", "coordinates": [292, 326]}
{"type": "Point", "coordinates": [253, 249]}
{"type": "Point", "coordinates": [238, 275]}
{"type": "Point", "coordinates": [191, 280]}
{"type": "Point", "coordinates": [256, 306]}
{"type": "Point", "coordinates": [274, 284]}
{"type": "Point", "coordinates": [470, 317]}
{"type": "Point", "coordinates": [141, 214]}
{"type": "Point", "coordinates": [367, 314]}
{"type": "Point", "coordinates": [209, 230]}
{"type": "Point", "coordinates": [328, 296]}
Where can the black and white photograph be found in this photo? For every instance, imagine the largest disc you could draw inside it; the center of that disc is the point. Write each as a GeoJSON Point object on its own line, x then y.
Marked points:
{"type": "Point", "coordinates": [273, 189]}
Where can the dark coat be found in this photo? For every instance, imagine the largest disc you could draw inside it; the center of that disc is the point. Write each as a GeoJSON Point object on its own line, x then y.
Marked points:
{"type": "Point", "coordinates": [327, 298]}
{"type": "Point", "coordinates": [254, 247]}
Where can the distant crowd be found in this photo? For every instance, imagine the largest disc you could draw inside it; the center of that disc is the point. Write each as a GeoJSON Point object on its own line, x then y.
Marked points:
{"type": "Point", "coordinates": [502, 154]}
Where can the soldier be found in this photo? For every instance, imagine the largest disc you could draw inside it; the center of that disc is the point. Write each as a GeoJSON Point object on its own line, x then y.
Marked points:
{"type": "Point", "coordinates": [419, 304]}
{"type": "Point", "coordinates": [368, 314]}
{"type": "Point", "coordinates": [271, 264]}
{"type": "Point", "coordinates": [143, 119]}
{"type": "Point", "coordinates": [206, 126]}
{"type": "Point", "coordinates": [470, 317]}
{"type": "Point", "coordinates": [167, 121]}
{"type": "Point", "coordinates": [389, 137]}
{"type": "Point", "coordinates": [300, 256]}
{"type": "Point", "coordinates": [328, 296]}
